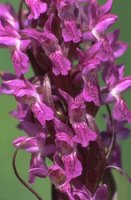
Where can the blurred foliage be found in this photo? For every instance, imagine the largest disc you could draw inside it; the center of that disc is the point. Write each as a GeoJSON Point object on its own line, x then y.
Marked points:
{"type": "Point", "coordinates": [10, 188]}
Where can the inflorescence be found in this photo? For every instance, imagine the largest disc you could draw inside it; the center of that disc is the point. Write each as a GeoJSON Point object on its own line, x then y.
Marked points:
{"type": "Point", "coordinates": [69, 46]}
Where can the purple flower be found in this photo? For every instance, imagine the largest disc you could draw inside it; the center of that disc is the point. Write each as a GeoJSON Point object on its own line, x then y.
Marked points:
{"type": "Point", "coordinates": [84, 194]}
{"type": "Point", "coordinates": [70, 26]}
{"type": "Point", "coordinates": [37, 168]}
{"type": "Point", "coordinates": [37, 7]}
{"type": "Point", "coordinates": [26, 93]}
{"type": "Point", "coordinates": [7, 13]}
{"type": "Point", "coordinates": [70, 31]}
{"type": "Point", "coordinates": [121, 111]}
{"type": "Point", "coordinates": [57, 175]}
{"type": "Point", "coordinates": [72, 166]}
{"type": "Point", "coordinates": [99, 18]}
{"type": "Point", "coordinates": [101, 193]}
{"type": "Point", "coordinates": [60, 64]}
{"type": "Point", "coordinates": [61, 176]}
{"type": "Point", "coordinates": [77, 113]}
{"type": "Point", "coordinates": [91, 90]}
{"type": "Point", "coordinates": [10, 37]}
{"type": "Point", "coordinates": [28, 144]}
{"type": "Point", "coordinates": [49, 43]}
{"type": "Point", "coordinates": [64, 138]}
{"type": "Point", "coordinates": [116, 84]}
{"type": "Point", "coordinates": [83, 134]}
{"type": "Point", "coordinates": [37, 147]}
{"type": "Point", "coordinates": [20, 61]}
{"type": "Point", "coordinates": [118, 47]}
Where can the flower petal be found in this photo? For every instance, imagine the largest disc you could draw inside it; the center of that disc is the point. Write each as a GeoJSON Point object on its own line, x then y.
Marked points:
{"type": "Point", "coordinates": [42, 112]}
{"type": "Point", "coordinates": [57, 175]}
{"type": "Point", "coordinates": [91, 88]}
{"type": "Point", "coordinates": [70, 32]}
{"type": "Point", "coordinates": [36, 7]}
{"type": "Point", "coordinates": [101, 193]}
{"type": "Point", "coordinates": [105, 8]}
{"type": "Point", "coordinates": [73, 167]}
{"type": "Point", "coordinates": [27, 144]}
{"type": "Point", "coordinates": [61, 65]}
{"type": "Point", "coordinates": [104, 23]}
{"type": "Point", "coordinates": [37, 168]}
{"type": "Point", "coordinates": [121, 112]}
{"type": "Point", "coordinates": [21, 62]}
{"type": "Point", "coordinates": [64, 142]}
{"type": "Point", "coordinates": [83, 134]}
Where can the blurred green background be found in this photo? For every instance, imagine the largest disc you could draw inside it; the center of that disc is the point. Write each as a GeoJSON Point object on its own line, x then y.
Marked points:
{"type": "Point", "coordinates": [10, 188]}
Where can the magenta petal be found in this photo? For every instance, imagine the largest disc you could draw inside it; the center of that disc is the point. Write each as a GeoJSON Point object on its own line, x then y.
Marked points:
{"type": "Point", "coordinates": [21, 112]}
{"type": "Point", "coordinates": [32, 33]}
{"type": "Point", "coordinates": [83, 134]}
{"type": "Point", "coordinates": [61, 65]}
{"type": "Point", "coordinates": [107, 98]}
{"type": "Point", "coordinates": [113, 36]}
{"type": "Point", "coordinates": [121, 70]}
{"type": "Point", "coordinates": [37, 168]}
{"type": "Point", "coordinates": [8, 35]}
{"type": "Point", "coordinates": [70, 32]}
{"type": "Point", "coordinates": [21, 62]}
{"type": "Point", "coordinates": [105, 8]}
{"type": "Point", "coordinates": [36, 7]}
{"type": "Point", "coordinates": [121, 112]}
{"type": "Point", "coordinates": [7, 13]}
{"type": "Point", "coordinates": [82, 194]}
{"type": "Point", "coordinates": [15, 84]}
{"type": "Point", "coordinates": [91, 88]}
{"type": "Point", "coordinates": [73, 167]}
{"type": "Point", "coordinates": [30, 128]}
{"type": "Point", "coordinates": [115, 158]}
{"type": "Point", "coordinates": [105, 23]}
{"type": "Point", "coordinates": [26, 96]}
{"type": "Point", "coordinates": [101, 193]}
{"type": "Point", "coordinates": [27, 144]}
{"type": "Point", "coordinates": [93, 51]}
{"type": "Point", "coordinates": [111, 75]}
{"type": "Point", "coordinates": [122, 86]}
{"type": "Point", "coordinates": [66, 189]}
{"type": "Point", "coordinates": [12, 86]}
{"type": "Point", "coordinates": [57, 175]}
{"type": "Point", "coordinates": [42, 112]}
{"type": "Point", "coordinates": [5, 76]}
{"type": "Point", "coordinates": [120, 48]}
{"type": "Point", "coordinates": [64, 142]}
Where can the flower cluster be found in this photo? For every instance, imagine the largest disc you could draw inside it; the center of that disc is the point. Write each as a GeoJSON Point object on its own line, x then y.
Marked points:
{"type": "Point", "coordinates": [69, 47]}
